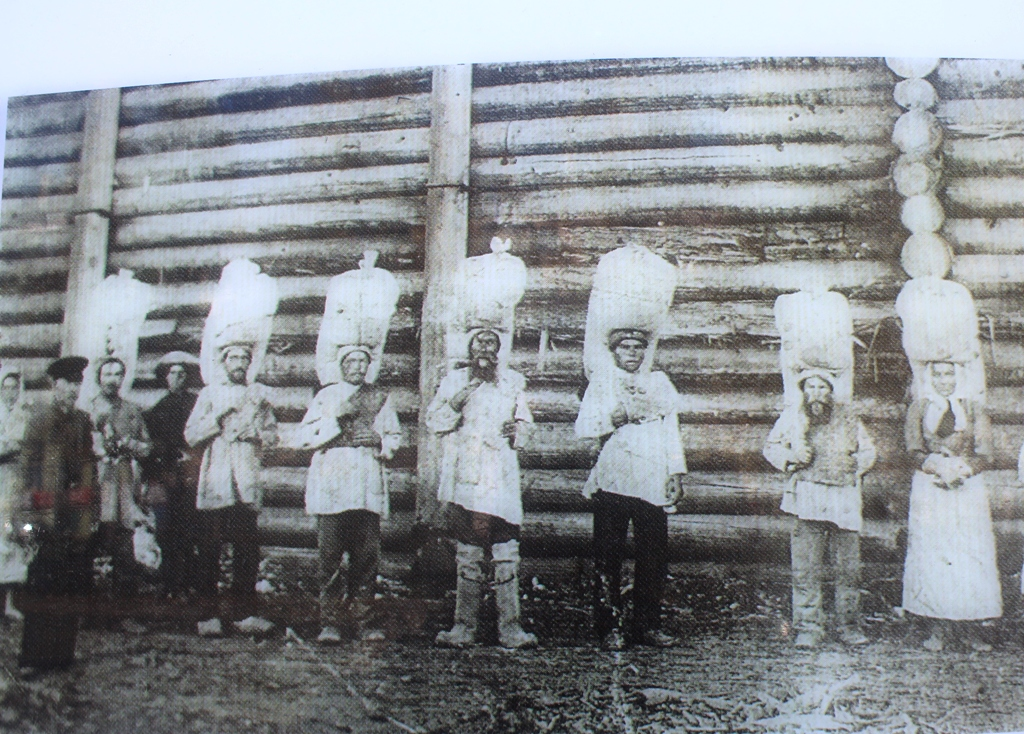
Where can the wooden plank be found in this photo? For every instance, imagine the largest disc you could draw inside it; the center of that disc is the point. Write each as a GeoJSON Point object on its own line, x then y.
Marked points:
{"type": "Point", "coordinates": [42, 149]}
{"type": "Point", "coordinates": [796, 161]}
{"type": "Point", "coordinates": [685, 129]}
{"type": "Point", "coordinates": [807, 88]}
{"type": "Point", "coordinates": [281, 123]}
{"type": "Point", "coordinates": [299, 221]}
{"type": "Point", "coordinates": [48, 118]}
{"type": "Point", "coordinates": [44, 180]}
{"type": "Point", "coordinates": [353, 183]}
{"type": "Point", "coordinates": [979, 78]}
{"type": "Point", "coordinates": [328, 152]}
{"type": "Point", "coordinates": [709, 203]}
{"type": "Point", "coordinates": [146, 104]}
{"type": "Point", "coordinates": [278, 257]}
{"type": "Point", "coordinates": [39, 211]}
{"type": "Point", "coordinates": [37, 241]}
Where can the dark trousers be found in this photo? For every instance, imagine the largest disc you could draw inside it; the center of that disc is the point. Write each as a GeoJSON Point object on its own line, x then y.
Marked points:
{"type": "Point", "coordinates": [236, 525]}
{"type": "Point", "coordinates": [356, 532]}
{"type": "Point", "coordinates": [56, 594]}
{"type": "Point", "coordinates": [812, 542]}
{"type": "Point", "coordinates": [118, 541]}
{"type": "Point", "coordinates": [176, 536]}
{"type": "Point", "coordinates": [612, 515]}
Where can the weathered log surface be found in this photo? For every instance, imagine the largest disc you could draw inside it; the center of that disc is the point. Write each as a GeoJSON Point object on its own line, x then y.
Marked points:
{"type": "Point", "coordinates": [718, 88]}
{"type": "Point", "coordinates": [150, 103]}
{"type": "Point", "coordinates": [992, 196]}
{"type": "Point", "coordinates": [985, 157]}
{"type": "Point", "coordinates": [327, 152]}
{"type": "Point", "coordinates": [42, 149]}
{"type": "Point", "coordinates": [44, 180]}
{"type": "Point", "coordinates": [979, 78]}
{"type": "Point", "coordinates": [36, 211]}
{"type": "Point", "coordinates": [797, 161]}
{"type": "Point", "coordinates": [37, 241]}
{"type": "Point", "coordinates": [352, 183]}
{"type": "Point", "coordinates": [280, 123]}
{"type": "Point", "coordinates": [686, 203]}
{"type": "Point", "coordinates": [989, 275]}
{"type": "Point", "coordinates": [685, 129]}
{"type": "Point", "coordinates": [985, 236]}
{"type": "Point", "coordinates": [47, 118]}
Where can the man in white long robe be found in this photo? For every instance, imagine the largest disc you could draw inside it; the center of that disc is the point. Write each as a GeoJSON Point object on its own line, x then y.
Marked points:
{"type": "Point", "coordinates": [634, 412]}
{"type": "Point", "coordinates": [826, 449]}
{"type": "Point", "coordinates": [476, 410]}
{"type": "Point", "coordinates": [354, 428]}
{"type": "Point", "coordinates": [232, 422]}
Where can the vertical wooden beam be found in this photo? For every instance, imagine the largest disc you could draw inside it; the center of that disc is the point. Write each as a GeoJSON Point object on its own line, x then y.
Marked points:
{"type": "Point", "coordinates": [447, 234]}
{"type": "Point", "coordinates": [87, 263]}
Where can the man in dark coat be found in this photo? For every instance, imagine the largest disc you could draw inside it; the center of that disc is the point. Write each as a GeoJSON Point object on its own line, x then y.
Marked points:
{"type": "Point", "coordinates": [172, 472]}
{"type": "Point", "coordinates": [62, 505]}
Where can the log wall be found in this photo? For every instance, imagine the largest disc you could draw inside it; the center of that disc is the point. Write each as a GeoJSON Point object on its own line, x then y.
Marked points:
{"type": "Point", "coordinates": [753, 175]}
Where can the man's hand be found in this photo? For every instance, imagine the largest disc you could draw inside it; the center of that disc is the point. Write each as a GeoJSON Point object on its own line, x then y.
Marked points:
{"type": "Point", "coordinates": [458, 401]}
{"type": "Point", "coordinates": [674, 489]}
{"type": "Point", "coordinates": [508, 430]}
{"type": "Point", "coordinates": [224, 416]}
{"type": "Point", "coordinates": [619, 416]}
{"type": "Point", "coordinates": [802, 456]}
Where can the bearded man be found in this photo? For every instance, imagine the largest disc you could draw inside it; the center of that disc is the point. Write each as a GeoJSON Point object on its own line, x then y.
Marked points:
{"type": "Point", "coordinates": [826, 450]}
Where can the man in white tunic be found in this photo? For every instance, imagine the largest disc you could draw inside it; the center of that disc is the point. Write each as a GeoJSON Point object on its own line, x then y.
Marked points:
{"type": "Point", "coordinates": [634, 412]}
{"type": "Point", "coordinates": [476, 410]}
{"type": "Point", "coordinates": [354, 428]}
{"type": "Point", "coordinates": [232, 422]}
{"type": "Point", "coordinates": [826, 450]}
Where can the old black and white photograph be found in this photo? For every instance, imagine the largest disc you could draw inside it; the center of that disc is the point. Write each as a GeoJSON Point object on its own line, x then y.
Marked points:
{"type": "Point", "coordinates": [647, 394]}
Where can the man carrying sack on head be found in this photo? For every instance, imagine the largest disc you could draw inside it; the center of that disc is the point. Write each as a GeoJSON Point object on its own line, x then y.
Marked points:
{"type": "Point", "coordinates": [232, 423]}
{"type": "Point", "coordinates": [61, 507]}
{"type": "Point", "coordinates": [354, 429]}
{"type": "Point", "coordinates": [826, 450]}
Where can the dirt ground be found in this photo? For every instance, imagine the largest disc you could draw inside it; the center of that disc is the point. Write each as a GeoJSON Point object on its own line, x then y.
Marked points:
{"type": "Point", "coordinates": [149, 673]}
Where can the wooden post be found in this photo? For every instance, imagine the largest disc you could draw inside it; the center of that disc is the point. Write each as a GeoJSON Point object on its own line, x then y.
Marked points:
{"type": "Point", "coordinates": [87, 263]}
{"type": "Point", "coordinates": [447, 233]}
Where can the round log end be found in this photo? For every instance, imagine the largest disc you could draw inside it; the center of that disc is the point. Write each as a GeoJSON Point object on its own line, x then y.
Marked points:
{"type": "Point", "coordinates": [915, 94]}
{"type": "Point", "coordinates": [914, 176]}
{"type": "Point", "coordinates": [922, 214]}
{"type": "Point", "coordinates": [917, 131]}
{"type": "Point", "coordinates": [911, 68]}
{"type": "Point", "coordinates": [926, 254]}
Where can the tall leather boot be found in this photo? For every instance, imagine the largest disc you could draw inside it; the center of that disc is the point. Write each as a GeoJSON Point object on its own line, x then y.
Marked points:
{"type": "Point", "coordinates": [468, 592]}
{"type": "Point", "coordinates": [506, 596]}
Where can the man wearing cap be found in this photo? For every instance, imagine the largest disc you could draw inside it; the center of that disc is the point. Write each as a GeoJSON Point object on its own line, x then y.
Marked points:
{"type": "Point", "coordinates": [633, 412]}
{"type": "Point", "coordinates": [476, 411]}
{"type": "Point", "coordinates": [825, 449]}
{"type": "Point", "coordinates": [354, 428]}
{"type": "Point", "coordinates": [172, 472]}
{"type": "Point", "coordinates": [232, 422]}
{"type": "Point", "coordinates": [61, 505]}
{"type": "Point", "coordinates": [121, 441]}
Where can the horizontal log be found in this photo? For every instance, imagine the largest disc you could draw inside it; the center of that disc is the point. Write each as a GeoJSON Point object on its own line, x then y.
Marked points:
{"type": "Point", "coordinates": [520, 72]}
{"type": "Point", "coordinates": [989, 274]}
{"type": "Point", "coordinates": [747, 538]}
{"type": "Point", "coordinates": [272, 222]}
{"type": "Point", "coordinates": [279, 123]}
{"type": "Point", "coordinates": [32, 308]}
{"type": "Point", "coordinates": [42, 149]}
{"type": "Point", "coordinates": [35, 242]}
{"type": "Point", "coordinates": [44, 180]}
{"type": "Point", "coordinates": [797, 161]}
{"type": "Point", "coordinates": [979, 78]}
{"type": "Point", "coordinates": [989, 196]}
{"type": "Point", "coordinates": [686, 203]}
{"type": "Point", "coordinates": [351, 183]}
{"type": "Point", "coordinates": [47, 118]}
{"type": "Point", "coordinates": [685, 129]}
{"type": "Point", "coordinates": [322, 153]}
{"type": "Point", "coordinates": [985, 236]}
{"type": "Point", "coordinates": [721, 88]}
{"type": "Point", "coordinates": [146, 104]}
{"type": "Point", "coordinates": [41, 211]}
{"type": "Point", "coordinates": [277, 258]}
{"type": "Point", "coordinates": [967, 159]}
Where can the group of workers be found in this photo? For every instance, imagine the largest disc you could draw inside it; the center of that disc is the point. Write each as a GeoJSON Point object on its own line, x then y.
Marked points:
{"type": "Point", "coordinates": [77, 480]}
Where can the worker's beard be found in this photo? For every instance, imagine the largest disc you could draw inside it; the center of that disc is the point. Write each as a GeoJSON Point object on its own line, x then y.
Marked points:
{"type": "Point", "coordinates": [484, 368]}
{"type": "Point", "coordinates": [818, 412]}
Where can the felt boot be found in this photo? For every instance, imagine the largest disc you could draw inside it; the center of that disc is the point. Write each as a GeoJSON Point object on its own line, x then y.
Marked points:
{"type": "Point", "coordinates": [468, 592]}
{"type": "Point", "coordinates": [506, 597]}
